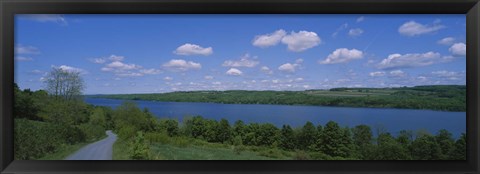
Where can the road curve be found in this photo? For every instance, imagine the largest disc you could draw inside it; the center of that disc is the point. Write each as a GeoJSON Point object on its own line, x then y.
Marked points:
{"type": "Point", "coordinates": [100, 150]}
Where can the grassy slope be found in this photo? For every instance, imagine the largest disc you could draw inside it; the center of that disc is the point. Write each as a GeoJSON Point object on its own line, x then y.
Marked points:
{"type": "Point", "coordinates": [170, 152]}
{"type": "Point", "coordinates": [66, 150]}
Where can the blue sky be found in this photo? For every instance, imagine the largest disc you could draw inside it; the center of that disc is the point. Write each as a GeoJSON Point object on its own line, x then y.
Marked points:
{"type": "Point", "coordinates": [164, 53]}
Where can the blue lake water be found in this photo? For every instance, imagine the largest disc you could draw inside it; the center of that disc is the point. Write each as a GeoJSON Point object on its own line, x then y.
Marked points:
{"type": "Point", "coordinates": [393, 120]}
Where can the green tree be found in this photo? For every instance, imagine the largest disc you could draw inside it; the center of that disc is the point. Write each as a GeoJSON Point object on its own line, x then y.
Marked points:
{"type": "Point", "coordinates": [362, 139]}
{"type": "Point", "coordinates": [332, 140]}
{"type": "Point", "coordinates": [98, 117]}
{"type": "Point", "coordinates": [65, 84]}
{"type": "Point", "coordinates": [140, 149]}
{"type": "Point", "coordinates": [224, 131]}
{"type": "Point", "coordinates": [287, 138]}
{"type": "Point", "coordinates": [388, 148]}
{"type": "Point", "coordinates": [307, 136]}
{"type": "Point", "coordinates": [445, 140]}
{"type": "Point", "coordinates": [267, 135]}
{"type": "Point", "coordinates": [426, 148]}
{"type": "Point", "coordinates": [459, 151]}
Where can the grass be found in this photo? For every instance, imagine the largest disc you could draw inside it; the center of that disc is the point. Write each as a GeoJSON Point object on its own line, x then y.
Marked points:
{"type": "Point", "coordinates": [67, 150]}
{"type": "Point", "coordinates": [63, 152]}
{"type": "Point", "coordinates": [170, 152]}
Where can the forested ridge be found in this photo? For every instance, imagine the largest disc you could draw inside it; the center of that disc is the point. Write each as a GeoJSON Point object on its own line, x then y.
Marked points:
{"type": "Point", "coordinates": [52, 123]}
{"type": "Point", "coordinates": [435, 97]}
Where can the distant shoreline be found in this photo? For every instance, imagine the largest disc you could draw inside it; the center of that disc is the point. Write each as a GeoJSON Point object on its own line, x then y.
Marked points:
{"type": "Point", "coordinates": [438, 98]}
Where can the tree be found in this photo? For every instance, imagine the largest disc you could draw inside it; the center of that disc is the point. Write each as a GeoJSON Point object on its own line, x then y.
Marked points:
{"type": "Point", "coordinates": [459, 151]}
{"type": "Point", "coordinates": [307, 136]}
{"type": "Point", "coordinates": [332, 140]}
{"type": "Point", "coordinates": [446, 143]}
{"type": "Point", "coordinates": [224, 131]}
{"type": "Point", "coordinates": [171, 126]}
{"type": "Point", "coordinates": [388, 148]}
{"type": "Point", "coordinates": [267, 135]}
{"type": "Point", "coordinates": [98, 117]}
{"type": "Point", "coordinates": [65, 84]}
{"type": "Point", "coordinates": [426, 148]}
{"type": "Point", "coordinates": [287, 138]}
{"type": "Point", "coordinates": [362, 139]}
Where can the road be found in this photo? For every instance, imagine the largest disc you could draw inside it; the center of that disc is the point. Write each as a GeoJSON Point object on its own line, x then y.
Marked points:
{"type": "Point", "coordinates": [100, 150]}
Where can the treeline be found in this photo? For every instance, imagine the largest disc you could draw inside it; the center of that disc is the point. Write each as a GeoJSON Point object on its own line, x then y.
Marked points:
{"type": "Point", "coordinates": [320, 142]}
{"type": "Point", "coordinates": [47, 122]}
{"type": "Point", "coordinates": [444, 98]}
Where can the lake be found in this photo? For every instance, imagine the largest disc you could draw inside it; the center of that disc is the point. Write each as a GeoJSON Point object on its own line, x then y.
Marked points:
{"type": "Point", "coordinates": [393, 120]}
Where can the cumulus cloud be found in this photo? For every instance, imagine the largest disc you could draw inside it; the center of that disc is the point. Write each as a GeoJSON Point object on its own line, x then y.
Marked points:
{"type": "Point", "coordinates": [270, 39]}
{"type": "Point", "coordinates": [397, 73]}
{"type": "Point", "coordinates": [449, 75]}
{"type": "Point", "coordinates": [342, 27]}
{"type": "Point", "coordinates": [301, 41]}
{"type": "Point", "coordinates": [192, 49]}
{"type": "Point", "coordinates": [181, 65]}
{"type": "Point", "coordinates": [151, 71]}
{"type": "Point", "coordinates": [21, 49]}
{"type": "Point", "coordinates": [446, 41]}
{"type": "Point", "coordinates": [266, 70]}
{"type": "Point", "coordinates": [70, 69]}
{"type": "Point", "coordinates": [342, 55]}
{"type": "Point", "coordinates": [409, 60]}
{"type": "Point", "coordinates": [22, 59]}
{"type": "Point", "coordinates": [56, 18]}
{"type": "Point", "coordinates": [291, 67]}
{"type": "Point", "coordinates": [234, 72]}
{"type": "Point", "coordinates": [355, 32]}
{"type": "Point", "coordinates": [103, 60]}
{"type": "Point", "coordinates": [129, 74]}
{"type": "Point", "coordinates": [458, 49]}
{"type": "Point", "coordinates": [377, 74]}
{"type": "Point", "coordinates": [168, 78]}
{"type": "Point", "coordinates": [413, 28]}
{"type": "Point", "coordinates": [245, 61]}
{"type": "Point", "coordinates": [117, 66]}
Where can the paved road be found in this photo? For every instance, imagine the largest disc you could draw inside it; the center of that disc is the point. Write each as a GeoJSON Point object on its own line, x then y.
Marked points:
{"type": "Point", "coordinates": [100, 150]}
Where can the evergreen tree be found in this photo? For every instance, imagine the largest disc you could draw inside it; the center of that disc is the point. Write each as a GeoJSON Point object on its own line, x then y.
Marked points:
{"type": "Point", "coordinates": [287, 138]}
{"type": "Point", "coordinates": [446, 143]}
{"type": "Point", "coordinates": [426, 148]}
{"type": "Point", "coordinates": [307, 136]}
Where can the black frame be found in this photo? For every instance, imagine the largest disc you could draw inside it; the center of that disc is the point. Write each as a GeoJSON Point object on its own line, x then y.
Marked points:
{"type": "Point", "coordinates": [8, 8]}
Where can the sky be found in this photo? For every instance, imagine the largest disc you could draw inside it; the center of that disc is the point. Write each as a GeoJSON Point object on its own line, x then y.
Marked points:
{"type": "Point", "coordinates": [121, 54]}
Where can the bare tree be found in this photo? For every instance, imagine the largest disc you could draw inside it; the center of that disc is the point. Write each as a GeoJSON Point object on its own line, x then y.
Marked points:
{"type": "Point", "coordinates": [64, 84]}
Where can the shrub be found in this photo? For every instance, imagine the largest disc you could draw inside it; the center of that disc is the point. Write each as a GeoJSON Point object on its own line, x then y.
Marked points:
{"type": "Point", "coordinates": [140, 149]}
{"type": "Point", "coordinates": [92, 132]}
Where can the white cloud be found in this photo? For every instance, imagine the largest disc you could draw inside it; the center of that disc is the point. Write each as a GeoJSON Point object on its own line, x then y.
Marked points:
{"type": "Point", "coordinates": [409, 60]}
{"type": "Point", "coordinates": [268, 40]}
{"type": "Point", "coordinates": [57, 18]}
{"type": "Point", "coordinates": [450, 75]}
{"type": "Point", "coordinates": [151, 71]}
{"type": "Point", "coordinates": [99, 61]}
{"type": "Point", "coordinates": [458, 49]}
{"type": "Point", "coordinates": [266, 70]}
{"type": "Point", "coordinates": [36, 71]}
{"type": "Point", "coordinates": [21, 58]}
{"type": "Point", "coordinates": [216, 83]}
{"type": "Point", "coordinates": [288, 67]}
{"type": "Point", "coordinates": [360, 19]}
{"type": "Point", "coordinates": [192, 49]}
{"type": "Point", "coordinates": [446, 41]}
{"type": "Point", "coordinates": [129, 74]}
{"type": "Point", "coordinates": [245, 61]}
{"type": "Point", "coordinates": [181, 65]}
{"type": "Point", "coordinates": [301, 41]}
{"type": "Point", "coordinates": [20, 49]}
{"type": "Point", "coordinates": [377, 74]}
{"type": "Point", "coordinates": [413, 28]}
{"type": "Point", "coordinates": [397, 73]}
{"type": "Point", "coordinates": [168, 78]}
{"type": "Point", "coordinates": [299, 79]}
{"type": "Point", "coordinates": [208, 77]}
{"type": "Point", "coordinates": [355, 32]}
{"type": "Point", "coordinates": [115, 58]}
{"type": "Point", "coordinates": [70, 69]}
{"type": "Point", "coordinates": [342, 55]}
{"type": "Point", "coordinates": [234, 72]}
{"type": "Point", "coordinates": [291, 67]}
{"type": "Point", "coordinates": [118, 66]}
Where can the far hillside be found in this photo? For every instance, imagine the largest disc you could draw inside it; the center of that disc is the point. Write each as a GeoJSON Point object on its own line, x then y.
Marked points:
{"type": "Point", "coordinates": [432, 97]}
